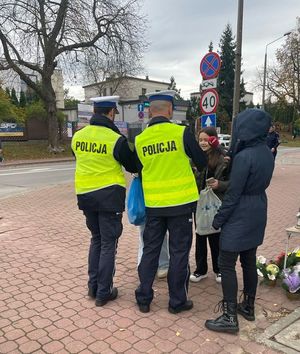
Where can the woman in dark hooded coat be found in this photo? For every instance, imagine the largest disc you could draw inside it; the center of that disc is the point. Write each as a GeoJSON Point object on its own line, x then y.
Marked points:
{"type": "Point", "coordinates": [243, 215]}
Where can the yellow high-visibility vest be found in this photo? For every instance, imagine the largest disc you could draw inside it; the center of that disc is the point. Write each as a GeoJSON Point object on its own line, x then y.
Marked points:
{"type": "Point", "coordinates": [96, 167]}
{"type": "Point", "coordinates": [167, 176]}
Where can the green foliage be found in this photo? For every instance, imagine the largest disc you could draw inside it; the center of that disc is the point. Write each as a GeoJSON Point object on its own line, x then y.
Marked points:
{"type": "Point", "coordinates": [194, 108]}
{"type": "Point", "coordinates": [31, 96]}
{"type": "Point", "coordinates": [210, 47]}
{"type": "Point", "coordinates": [36, 111]}
{"type": "Point", "coordinates": [225, 85]}
{"type": "Point", "coordinates": [22, 99]}
{"type": "Point", "coordinates": [60, 116]}
{"type": "Point", "coordinates": [9, 112]}
{"type": "Point", "coordinates": [281, 111]}
{"type": "Point", "coordinates": [226, 75]}
{"type": "Point", "coordinates": [70, 102]}
{"type": "Point", "coordinates": [172, 86]}
{"type": "Point", "coordinates": [14, 98]}
{"type": "Point", "coordinates": [7, 91]}
{"type": "Point", "coordinates": [297, 124]}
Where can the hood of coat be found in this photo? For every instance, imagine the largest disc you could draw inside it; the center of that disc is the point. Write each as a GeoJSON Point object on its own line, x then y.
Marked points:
{"type": "Point", "coordinates": [252, 125]}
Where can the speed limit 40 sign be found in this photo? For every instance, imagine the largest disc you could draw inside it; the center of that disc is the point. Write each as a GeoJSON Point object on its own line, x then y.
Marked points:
{"type": "Point", "coordinates": [209, 101]}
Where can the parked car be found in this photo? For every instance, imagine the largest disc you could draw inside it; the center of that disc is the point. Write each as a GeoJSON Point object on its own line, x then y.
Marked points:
{"type": "Point", "coordinates": [224, 140]}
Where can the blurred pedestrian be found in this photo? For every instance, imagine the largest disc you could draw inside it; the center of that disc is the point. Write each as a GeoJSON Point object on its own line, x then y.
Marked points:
{"type": "Point", "coordinates": [101, 150]}
{"type": "Point", "coordinates": [164, 256]}
{"type": "Point", "coordinates": [273, 140]}
{"type": "Point", "coordinates": [243, 216]}
{"type": "Point", "coordinates": [216, 177]}
{"type": "Point", "coordinates": [164, 150]}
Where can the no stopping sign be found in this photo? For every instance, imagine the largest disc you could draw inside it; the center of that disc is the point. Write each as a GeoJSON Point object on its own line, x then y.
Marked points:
{"type": "Point", "coordinates": [209, 101]}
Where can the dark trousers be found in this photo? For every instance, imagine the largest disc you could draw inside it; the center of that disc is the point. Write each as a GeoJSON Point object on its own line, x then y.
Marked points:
{"type": "Point", "coordinates": [227, 262]}
{"type": "Point", "coordinates": [105, 228]}
{"type": "Point", "coordinates": [201, 252]}
{"type": "Point", "coordinates": [180, 241]}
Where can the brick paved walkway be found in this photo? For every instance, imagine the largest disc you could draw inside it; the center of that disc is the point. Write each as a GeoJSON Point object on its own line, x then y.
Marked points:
{"type": "Point", "coordinates": [43, 274]}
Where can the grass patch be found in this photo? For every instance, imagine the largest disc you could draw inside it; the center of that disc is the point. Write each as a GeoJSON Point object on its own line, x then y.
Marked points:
{"type": "Point", "coordinates": [31, 150]}
{"type": "Point", "coordinates": [286, 140]}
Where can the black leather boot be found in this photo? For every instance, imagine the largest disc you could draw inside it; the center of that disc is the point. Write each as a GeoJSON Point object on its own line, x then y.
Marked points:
{"type": "Point", "coordinates": [246, 307]}
{"type": "Point", "coordinates": [228, 322]}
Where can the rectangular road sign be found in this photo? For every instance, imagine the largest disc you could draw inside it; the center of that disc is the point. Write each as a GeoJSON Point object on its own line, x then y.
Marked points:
{"type": "Point", "coordinates": [207, 84]}
{"type": "Point", "coordinates": [140, 107]}
{"type": "Point", "coordinates": [209, 120]}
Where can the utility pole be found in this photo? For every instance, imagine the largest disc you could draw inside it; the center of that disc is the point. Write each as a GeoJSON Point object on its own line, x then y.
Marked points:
{"type": "Point", "coordinates": [238, 59]}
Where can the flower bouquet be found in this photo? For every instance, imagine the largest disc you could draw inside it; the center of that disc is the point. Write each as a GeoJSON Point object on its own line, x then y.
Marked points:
{"type": "Point", "coordinates": [291, 275]}
{"type": "Point", "coordinates": [268, 270]}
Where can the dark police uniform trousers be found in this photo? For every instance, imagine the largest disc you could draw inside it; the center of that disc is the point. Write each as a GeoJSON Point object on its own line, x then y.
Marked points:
{"type": "Point", "coordinates": [103, 210]}
{"type": "Point", "coordinates": [180, 241]}
{"type": "Point", "coordinates": [178, 221]}
{"type": "Point", "coordinates": [106, 228]}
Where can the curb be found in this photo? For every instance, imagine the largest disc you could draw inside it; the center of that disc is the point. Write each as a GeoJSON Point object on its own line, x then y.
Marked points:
{"type": "Point", "coordinates": [37, 161]}
{"type": "Point", "coordinates": [283, 334]}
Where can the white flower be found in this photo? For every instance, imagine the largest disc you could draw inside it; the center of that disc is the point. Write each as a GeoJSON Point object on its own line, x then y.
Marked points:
{"type": "Point", "coordinates": [261, 259]}
{"type": "Point", "coordinates": [297, 267]}
{"type": "Point", "coordinates": [271, 277]}
{"type": "Point", "coordinates": [259, 273]}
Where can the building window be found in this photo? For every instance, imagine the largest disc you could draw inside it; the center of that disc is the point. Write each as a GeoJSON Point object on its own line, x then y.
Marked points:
{"type": "Point", "coordinates": [144, 91]}
{"type": "Point", "coordinates": [104, 91]}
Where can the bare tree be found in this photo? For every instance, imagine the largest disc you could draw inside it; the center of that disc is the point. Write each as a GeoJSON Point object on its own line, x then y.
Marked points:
{"type": "Point", "coordinates": [283, 79]}
{"type": "Point", "coordinates": [39, 35]}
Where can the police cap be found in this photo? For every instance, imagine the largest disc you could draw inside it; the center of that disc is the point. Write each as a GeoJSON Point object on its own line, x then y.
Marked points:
{"type": "Point", "coordinates": [167, 95]}
{"type": "Point", "coordinates": [106, 101]}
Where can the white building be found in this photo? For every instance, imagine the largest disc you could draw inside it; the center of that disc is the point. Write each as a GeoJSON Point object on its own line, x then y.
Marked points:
{"type": "Point", "coordinates": [132, 91]}
{"type": "Point", "coordinates": [128, 88]}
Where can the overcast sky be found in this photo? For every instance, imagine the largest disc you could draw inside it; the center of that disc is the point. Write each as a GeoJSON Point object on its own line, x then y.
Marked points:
{"type": "Point", "coordinates": [179, 32]}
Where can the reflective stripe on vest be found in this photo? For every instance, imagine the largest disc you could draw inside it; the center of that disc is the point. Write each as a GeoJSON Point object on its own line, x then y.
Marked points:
{"type": "Point", "coordinates": [96, 167]}
{"type": "Point", "coordinates": [167, 176]}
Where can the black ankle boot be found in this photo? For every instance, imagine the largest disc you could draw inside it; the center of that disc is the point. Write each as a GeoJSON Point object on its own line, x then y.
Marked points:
{"type": "Point", "coordinates": [246, 307]}
{"type": "Point", "coordinates": [228, 322]}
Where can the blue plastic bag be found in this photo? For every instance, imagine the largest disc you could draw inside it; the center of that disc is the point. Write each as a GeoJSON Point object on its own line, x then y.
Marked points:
{"type": "Point", "coordinates": [136, 203]}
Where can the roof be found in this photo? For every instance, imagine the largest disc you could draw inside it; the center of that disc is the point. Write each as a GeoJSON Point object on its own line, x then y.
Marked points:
{"type": "Point", "coordinates": [128, 78]}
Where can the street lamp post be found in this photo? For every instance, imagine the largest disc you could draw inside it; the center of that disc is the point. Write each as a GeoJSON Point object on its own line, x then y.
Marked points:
{"type": "Point", "coordinates": [265, 68]}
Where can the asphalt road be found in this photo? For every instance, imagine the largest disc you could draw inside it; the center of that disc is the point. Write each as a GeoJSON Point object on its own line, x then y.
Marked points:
{"type": "Point", "coordinates": [15, 180]}
{"type": "Point", "coordinates": [19, 179]}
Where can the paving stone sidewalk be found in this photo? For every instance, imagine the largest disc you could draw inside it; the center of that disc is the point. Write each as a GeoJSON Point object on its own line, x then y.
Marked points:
{"type": "Point", "coordinates": [43, 275]}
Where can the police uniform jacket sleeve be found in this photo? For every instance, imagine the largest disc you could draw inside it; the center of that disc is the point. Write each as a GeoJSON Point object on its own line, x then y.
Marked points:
{"type": "Point", "coordinates": [193, 150]}
{"type": "Point", "coordinates": [125, 155]}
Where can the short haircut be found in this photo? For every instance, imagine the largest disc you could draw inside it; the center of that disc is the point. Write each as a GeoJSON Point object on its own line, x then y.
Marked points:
{"type": "Point", "coordinates": [102, 110]}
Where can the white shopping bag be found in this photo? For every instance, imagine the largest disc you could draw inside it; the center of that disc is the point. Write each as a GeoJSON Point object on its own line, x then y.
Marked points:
{"type": "Point", "coordinates": [207, 207]}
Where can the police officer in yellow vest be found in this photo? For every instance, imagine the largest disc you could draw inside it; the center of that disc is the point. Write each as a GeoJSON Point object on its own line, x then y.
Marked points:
{"type": "Point", "coordinates": [164, 151]}
{"type": "Point", "coordinates": [100, 152]}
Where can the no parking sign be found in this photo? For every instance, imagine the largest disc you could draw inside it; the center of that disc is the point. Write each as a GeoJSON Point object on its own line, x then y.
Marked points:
{"type": "Point", "coordinates": [210, 65]}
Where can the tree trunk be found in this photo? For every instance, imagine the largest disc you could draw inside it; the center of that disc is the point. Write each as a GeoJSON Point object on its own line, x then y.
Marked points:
{"type": "Point", "coordinates": [50, 105]}
{"type": "Point", "coordinates": [52, 127]}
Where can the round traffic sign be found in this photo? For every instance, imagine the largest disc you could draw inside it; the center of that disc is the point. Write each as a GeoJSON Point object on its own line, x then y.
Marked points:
{"type": "Point", "coordinates": [209, 101]}
{"type": "Point", "coordinates": [210, 65]}
{"type": "Point", "coordinates": [141, 115]}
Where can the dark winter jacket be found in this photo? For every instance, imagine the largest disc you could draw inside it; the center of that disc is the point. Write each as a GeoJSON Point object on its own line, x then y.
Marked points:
{"type": "Point", "coordinates": [243, 214]}
{"type": "Point", "coordinates": [273, 140]}
{"type": "Point", "coordinates": [220, 173]}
